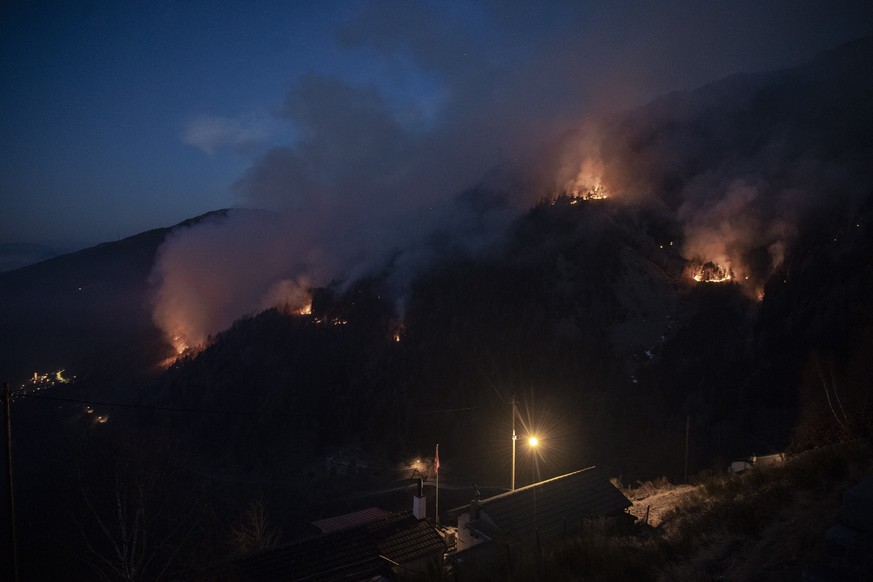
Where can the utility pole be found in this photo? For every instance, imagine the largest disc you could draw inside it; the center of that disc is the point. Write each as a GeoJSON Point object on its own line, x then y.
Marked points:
{"type": "Point", "coordinates": [514, 404]}
{"type": "Point", "coordinates": [687, 431]}
{"type": "Point", "coordinates": [12, 541]}
{"type": "Point", "coordinates": [436, 463]}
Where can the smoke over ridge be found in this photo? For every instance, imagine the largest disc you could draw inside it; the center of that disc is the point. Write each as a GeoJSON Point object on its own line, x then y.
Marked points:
{"type": "Point", "coordinates": [374, 179]}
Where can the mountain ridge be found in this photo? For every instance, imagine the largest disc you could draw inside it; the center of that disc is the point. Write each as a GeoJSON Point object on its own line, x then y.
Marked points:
{"type": "Point", "coordinates": [594, 296]}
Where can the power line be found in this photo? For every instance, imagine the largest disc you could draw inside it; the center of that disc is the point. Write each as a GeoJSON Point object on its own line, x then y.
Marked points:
{"type": "Point", "coordinates": [493, 387]}
{"type": "Point", "coordinates": [205, 410]}
{"type": "Point", "coordinates": [162, 408]}
{"type": "Point", "coordinates": [446, 410]}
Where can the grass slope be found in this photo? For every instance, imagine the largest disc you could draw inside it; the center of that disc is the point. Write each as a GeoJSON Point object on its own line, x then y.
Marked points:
{"type": "Point", "coordinates": [765, 524]}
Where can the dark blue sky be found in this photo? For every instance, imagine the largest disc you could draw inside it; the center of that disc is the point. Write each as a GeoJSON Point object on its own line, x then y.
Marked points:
{"type": "Point", "coordinates": [117, 117]}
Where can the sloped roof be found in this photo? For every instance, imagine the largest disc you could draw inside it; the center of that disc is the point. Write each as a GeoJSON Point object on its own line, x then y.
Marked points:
{"type": "Point", "coordinates": [351, 554]}
{"type": "Point", "coordinates": [347, 520]}
{"type": "Point", "coordinates": [407, 544]}
{"type": "Point", "coordinates": [547, 504]}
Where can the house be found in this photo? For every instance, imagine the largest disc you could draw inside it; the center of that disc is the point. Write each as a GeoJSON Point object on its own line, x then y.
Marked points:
{"type": "Point", "coordinates": [387, 546]}
{"type": "Point", "coordinates": [548, 508]}
{"type": "Point", "coordinates": [740, 465]}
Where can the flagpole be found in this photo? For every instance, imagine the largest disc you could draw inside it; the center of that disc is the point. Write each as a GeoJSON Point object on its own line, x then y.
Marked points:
{"type": "Point", "coordinates": [437, 467]}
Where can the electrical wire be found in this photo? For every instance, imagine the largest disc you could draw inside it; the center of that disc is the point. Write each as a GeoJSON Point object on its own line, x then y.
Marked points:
{"type": "Point", "coordinates": [446, 410]}
{"type": "Point", "coordinates": [163, 408]}
{"type": "Point", "coordinates": [205, 410]}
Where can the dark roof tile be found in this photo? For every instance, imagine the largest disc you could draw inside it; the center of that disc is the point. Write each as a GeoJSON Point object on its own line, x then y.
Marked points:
{"type": "Point", "coordinates": [547, 504]}
{"type": "Point", "coordinates": [353, 553]}
{"type": "Point", "coordinates": [345, 521]}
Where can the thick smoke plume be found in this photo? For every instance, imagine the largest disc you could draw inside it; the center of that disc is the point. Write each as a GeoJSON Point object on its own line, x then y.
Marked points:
{"type": "Point", "coordinates": [745, 164]}
{"type": "Point", "coordinates": [226, 266]}
{"type": "Point", "coordinates": [388, 176]}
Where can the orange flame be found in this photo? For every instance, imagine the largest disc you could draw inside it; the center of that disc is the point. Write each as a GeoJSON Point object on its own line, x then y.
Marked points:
{"type": "Point", "coordinates": [398, 328]}
{"type": "Point", "coordinates": [587, 183]}
{"type": "Point", "coordinates": [180, 344]}
{"type": "Point", "coordinates": [597, 192]}
{"type": "Point", "coordinates": [306, 308]}
{"type": "Point", "coordinates": [182, 347]}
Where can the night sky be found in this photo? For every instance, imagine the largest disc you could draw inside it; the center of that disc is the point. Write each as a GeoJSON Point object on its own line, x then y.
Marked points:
{"type": "Point", "coordinates": [117, 117]}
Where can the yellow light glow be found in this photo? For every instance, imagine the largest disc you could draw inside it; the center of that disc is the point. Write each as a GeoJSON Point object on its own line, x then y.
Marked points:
{"type": "Point", "coordinates": [533, 441]}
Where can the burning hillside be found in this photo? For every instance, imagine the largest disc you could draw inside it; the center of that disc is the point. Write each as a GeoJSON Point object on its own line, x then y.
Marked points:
{"type": "Point", "coordinates": [593, 193]}
{"type": "Point", "coordinates": [735, 199]}
{"type": "Point", "coordinates": [306, 309]}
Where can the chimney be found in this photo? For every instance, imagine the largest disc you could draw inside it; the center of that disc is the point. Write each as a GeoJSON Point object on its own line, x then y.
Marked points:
{"type": "Point", "coordinates": [419, 502]}
{"type": "Point", "coordinates": [474, 510]}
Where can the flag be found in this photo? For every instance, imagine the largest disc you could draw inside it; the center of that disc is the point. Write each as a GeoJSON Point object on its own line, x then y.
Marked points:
{"type": "Point", "coordinates": [436, 460]}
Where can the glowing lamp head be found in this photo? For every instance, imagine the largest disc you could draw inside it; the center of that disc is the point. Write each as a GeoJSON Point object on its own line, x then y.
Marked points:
{"type": "Point", "coordinates": [533, 441]}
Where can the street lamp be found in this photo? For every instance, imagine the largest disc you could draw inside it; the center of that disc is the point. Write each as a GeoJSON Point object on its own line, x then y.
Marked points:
{"type": "Point", "coordinates": [514, 438]}
{"type": "Point", "coordinates": [534, 442]}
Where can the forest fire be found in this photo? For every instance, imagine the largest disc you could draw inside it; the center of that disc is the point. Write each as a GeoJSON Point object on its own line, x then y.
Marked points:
{"type": "Point", "coordinates": [597, 192]}
{"type": "Point", "coordinates": [330, 321]}
{"type": "Point", "coordinates": [710, 272]}
{"type": "Point", "coordinates": [180, 344]}
{"type": "Point", "coordinates": [397, 328]}
{"type": "Point", "coordinates": [181, 348]}
{"type": "Point", "coordinates": [575, 196]}
{"type": "Point", "coordinates": [586, 182]}
{"type": "Point", "coordinates": [305, 309]}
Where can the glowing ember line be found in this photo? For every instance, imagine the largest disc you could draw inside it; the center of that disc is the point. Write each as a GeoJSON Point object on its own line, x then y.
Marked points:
{"type": "Point", "coordinates": [710, 272]}
{"type": "Point", "coordinates": [330, 320]}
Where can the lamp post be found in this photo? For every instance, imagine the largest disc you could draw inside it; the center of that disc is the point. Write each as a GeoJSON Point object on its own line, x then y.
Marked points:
{"type": "Point", "coordinates": [533, 441]}
{"type": "Point", "coordinates": [514, 438]}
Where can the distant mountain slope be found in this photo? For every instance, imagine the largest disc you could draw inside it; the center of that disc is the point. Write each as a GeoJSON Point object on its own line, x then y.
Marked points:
{"type": "Point", "coordinates": [17, 255]}
{"type": "Point", "coordinates": [90, 308]}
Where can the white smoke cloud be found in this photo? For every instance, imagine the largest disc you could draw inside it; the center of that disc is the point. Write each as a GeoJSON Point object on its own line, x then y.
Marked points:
{"type": "Point", "coordinates": [211, 273]}
{"type": "Point", "coordinates": [722, 229]}
{"type": "Point", "coordinates": [242, 134]}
